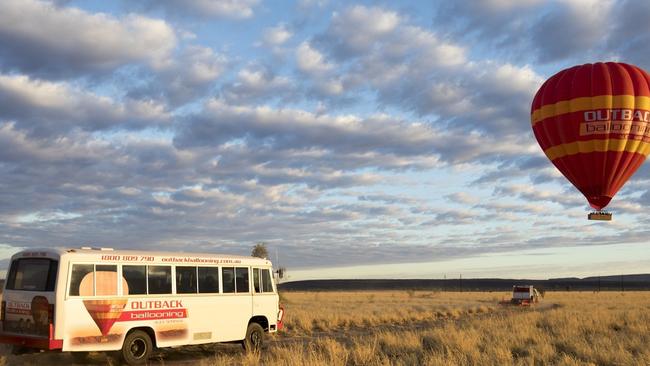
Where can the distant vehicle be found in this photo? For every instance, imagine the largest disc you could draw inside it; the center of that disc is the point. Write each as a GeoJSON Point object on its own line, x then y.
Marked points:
{"type": "Point", "coordinates": [523, 296]}
{"type": "Point", "coordinates": [100, 299]}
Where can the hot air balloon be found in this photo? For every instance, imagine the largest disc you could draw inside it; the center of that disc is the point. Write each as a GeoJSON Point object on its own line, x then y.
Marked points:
{"type": "Point", "coordinates": [105, 312]}
{"type": "Point", "coordinates": [593, 122]}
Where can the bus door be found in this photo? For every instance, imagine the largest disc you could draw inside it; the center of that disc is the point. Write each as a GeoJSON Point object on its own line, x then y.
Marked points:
{"type": "Point", "coordinates": [265, 301]}
{"type": "Point", "coordinates": [235, 304]}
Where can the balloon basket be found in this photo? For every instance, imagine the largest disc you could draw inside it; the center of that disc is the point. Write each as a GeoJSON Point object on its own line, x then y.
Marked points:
{"type": "Point", "coordinates": [600, 216]}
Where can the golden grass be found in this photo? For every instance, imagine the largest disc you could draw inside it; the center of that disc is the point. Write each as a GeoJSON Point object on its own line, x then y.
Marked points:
{"type": "Point", "coordinates": [308, 312]}
{"type": "Point", "coordinates": [433, 328]}
{"type": "Point", "coordinates": [567, 328]}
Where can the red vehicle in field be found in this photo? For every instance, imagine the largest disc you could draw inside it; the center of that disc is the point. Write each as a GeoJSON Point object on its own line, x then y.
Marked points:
{"type": "Point", "coordinates": [523, 296]}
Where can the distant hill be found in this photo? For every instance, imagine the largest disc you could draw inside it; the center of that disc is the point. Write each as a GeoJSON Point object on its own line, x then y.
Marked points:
{"type": "Point", "coordinates": [636, 277]}
{"type": "Point", "coordinates": [604, 283]}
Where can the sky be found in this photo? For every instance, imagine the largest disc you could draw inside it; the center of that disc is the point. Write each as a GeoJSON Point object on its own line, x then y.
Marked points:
{"type": "Point", "coordinates": [357, 139]}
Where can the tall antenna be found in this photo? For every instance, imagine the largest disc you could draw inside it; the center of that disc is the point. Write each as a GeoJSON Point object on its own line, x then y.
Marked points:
{"type": "Point", "coordinates": [280, 270]}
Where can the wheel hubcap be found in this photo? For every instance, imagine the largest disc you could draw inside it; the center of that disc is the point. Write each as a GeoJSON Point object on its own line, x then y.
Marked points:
{"type": "Point", "coordinates": [138, 348]}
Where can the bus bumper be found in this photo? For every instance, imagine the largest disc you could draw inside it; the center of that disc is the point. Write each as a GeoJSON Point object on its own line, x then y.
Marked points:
{"type": "Point", "coordinates": [31, 342]}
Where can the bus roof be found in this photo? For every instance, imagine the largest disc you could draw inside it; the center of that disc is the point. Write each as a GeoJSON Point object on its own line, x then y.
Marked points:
{"type": "Point", "coordinates": [119, 255]}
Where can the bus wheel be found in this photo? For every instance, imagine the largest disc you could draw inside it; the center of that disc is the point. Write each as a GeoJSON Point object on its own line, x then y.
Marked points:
{"type": "Point", "coordinates": [137, 348]}
{"type": "Point", "coordinates": [254, 338]}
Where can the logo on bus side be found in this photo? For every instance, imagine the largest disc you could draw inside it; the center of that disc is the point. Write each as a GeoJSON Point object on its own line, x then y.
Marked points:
{"type": "Point", "coordinates": [106, 312]}
{"type": "Point", "coordinates": [156, 304]}
{"type": "Point", "coordinates": [154, 310]}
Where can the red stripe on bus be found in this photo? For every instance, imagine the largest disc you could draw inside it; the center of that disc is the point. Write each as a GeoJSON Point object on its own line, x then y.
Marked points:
{"type": "Point", "coordinates": [153, 314]}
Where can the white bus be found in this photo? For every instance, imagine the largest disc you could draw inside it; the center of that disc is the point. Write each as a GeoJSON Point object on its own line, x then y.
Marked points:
{"type": "Point", "coordinates": [100, 299]}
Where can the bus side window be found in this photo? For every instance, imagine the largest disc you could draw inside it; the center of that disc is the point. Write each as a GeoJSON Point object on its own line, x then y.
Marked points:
{"type": "Point", "coordinates": [208, 280]}
{"type": "Point", "coordinates": [105, 280]}
{"type": "Point", "coordinates": [228, 278]}
{"type": "Point", "coordinates": [241, 274]}
{"type": "Point", "coordinates": [256, 280]}
{"type": "Point", "coordinates": [159, 279]}
{"type": "Point", "coordinates": [136, 280]}
{"type": "Point", "coordinates": [267, 284]}
{"type": "Point", "coordinates": [81, 280]}
{"type": "Point", "coordinates": [185, 280]}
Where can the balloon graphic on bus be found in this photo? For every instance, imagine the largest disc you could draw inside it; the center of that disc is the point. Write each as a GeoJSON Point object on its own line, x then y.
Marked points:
{"type": "Point", "coordinates": [593, 122]}
{"type": "Point", "coordinates": [105, 312]}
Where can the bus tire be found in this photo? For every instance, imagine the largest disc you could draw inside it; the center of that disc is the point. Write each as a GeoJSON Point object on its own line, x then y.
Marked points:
{"type": "Point", "coordinates": [254, 338]}
{"type": "Point", "coordinates": [137, 348]}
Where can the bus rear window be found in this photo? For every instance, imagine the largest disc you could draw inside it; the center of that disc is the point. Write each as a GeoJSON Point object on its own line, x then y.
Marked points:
{"type": "Point", "coordinates": [32, 274]}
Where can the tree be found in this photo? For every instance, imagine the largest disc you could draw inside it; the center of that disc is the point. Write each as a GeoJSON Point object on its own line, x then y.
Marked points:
{"type": "Point", "coordinates": [260, 251]}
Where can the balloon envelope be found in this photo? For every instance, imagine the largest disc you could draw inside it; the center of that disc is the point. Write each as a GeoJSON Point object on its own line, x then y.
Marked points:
{"type": "Point", "coordinates": [593, 122]}
{"type": "Point", "coordinates": [105, 312]}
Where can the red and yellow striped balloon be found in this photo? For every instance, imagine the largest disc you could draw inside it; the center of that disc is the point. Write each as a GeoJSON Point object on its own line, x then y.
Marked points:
{"type": "Point", "coordinates": [105, 312]}
{"type": "Point", "coordinates": [593, 123]}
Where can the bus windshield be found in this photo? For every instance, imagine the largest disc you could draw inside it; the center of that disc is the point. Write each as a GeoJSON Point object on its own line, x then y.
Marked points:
{"type": "Point", "coordinates": [32, 274]}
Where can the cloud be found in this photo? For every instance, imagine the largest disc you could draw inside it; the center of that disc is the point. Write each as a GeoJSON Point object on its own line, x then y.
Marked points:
{"type": "Point", "coordinates": [18, 147]}
{"type": "Point", "coordinates": [415, 70]}
{"type": "Point", "coordinates": [497, 22]}
{"type": "Point", "coordinates": [258, 83]}
{"type": "Point", "coordinates": [532, 163]}
{"type": "Point", "coordinates": [276, 36]}
{"type": "Point", "coordinates": [452, 217]}
{"type": "Point", "coordinates": [322, 81]}
{"type": "Point", "coordinates": [540, 195]}
{"type": "Point", "coordinates": [310, 61]}
{"type": "Point", "coordinates": [463, 198]}
{"type": "Point", "coordinates": [358, 28]}
{"type": "Point", "coordinates": [78, 189]}
{"type": "Point", "coordinates": [357, 134]}
{"type": "Point", "coordinates": [230, 9]}
{"type": "Point", "coordinates": [630, 34]}
{"type": "Point", "coordinates": [86, 187]}
{"type": "Point", "coordinates": [56, 42]}
{"type": "Point", "coordinates": [298, 129]}
{"type": "Point", "coordinates": [54, 108]}
{"type": "Point", "coordinates": [491, 98]}
{"type": "Point", "coordinates": [585, 20]}
{"type": "Point", "coordinates": [376, 33]}
{"type": "Point", "coordinates": [306, 4]}
{"type": "Point", "coordinates": [190, 74]}
{"type": "Point", "coordinates": [385, 198]}
{"type": "Point", "coordinates": [517, 30]}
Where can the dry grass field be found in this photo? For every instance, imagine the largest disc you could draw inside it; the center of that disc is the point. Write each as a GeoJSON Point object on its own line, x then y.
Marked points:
{"type": "Point", "coordinates": [309, 312]}
{"type": "Point", "coordinates": [567, 328]}
{"type": "Point", "coordinates": [435, 328]}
